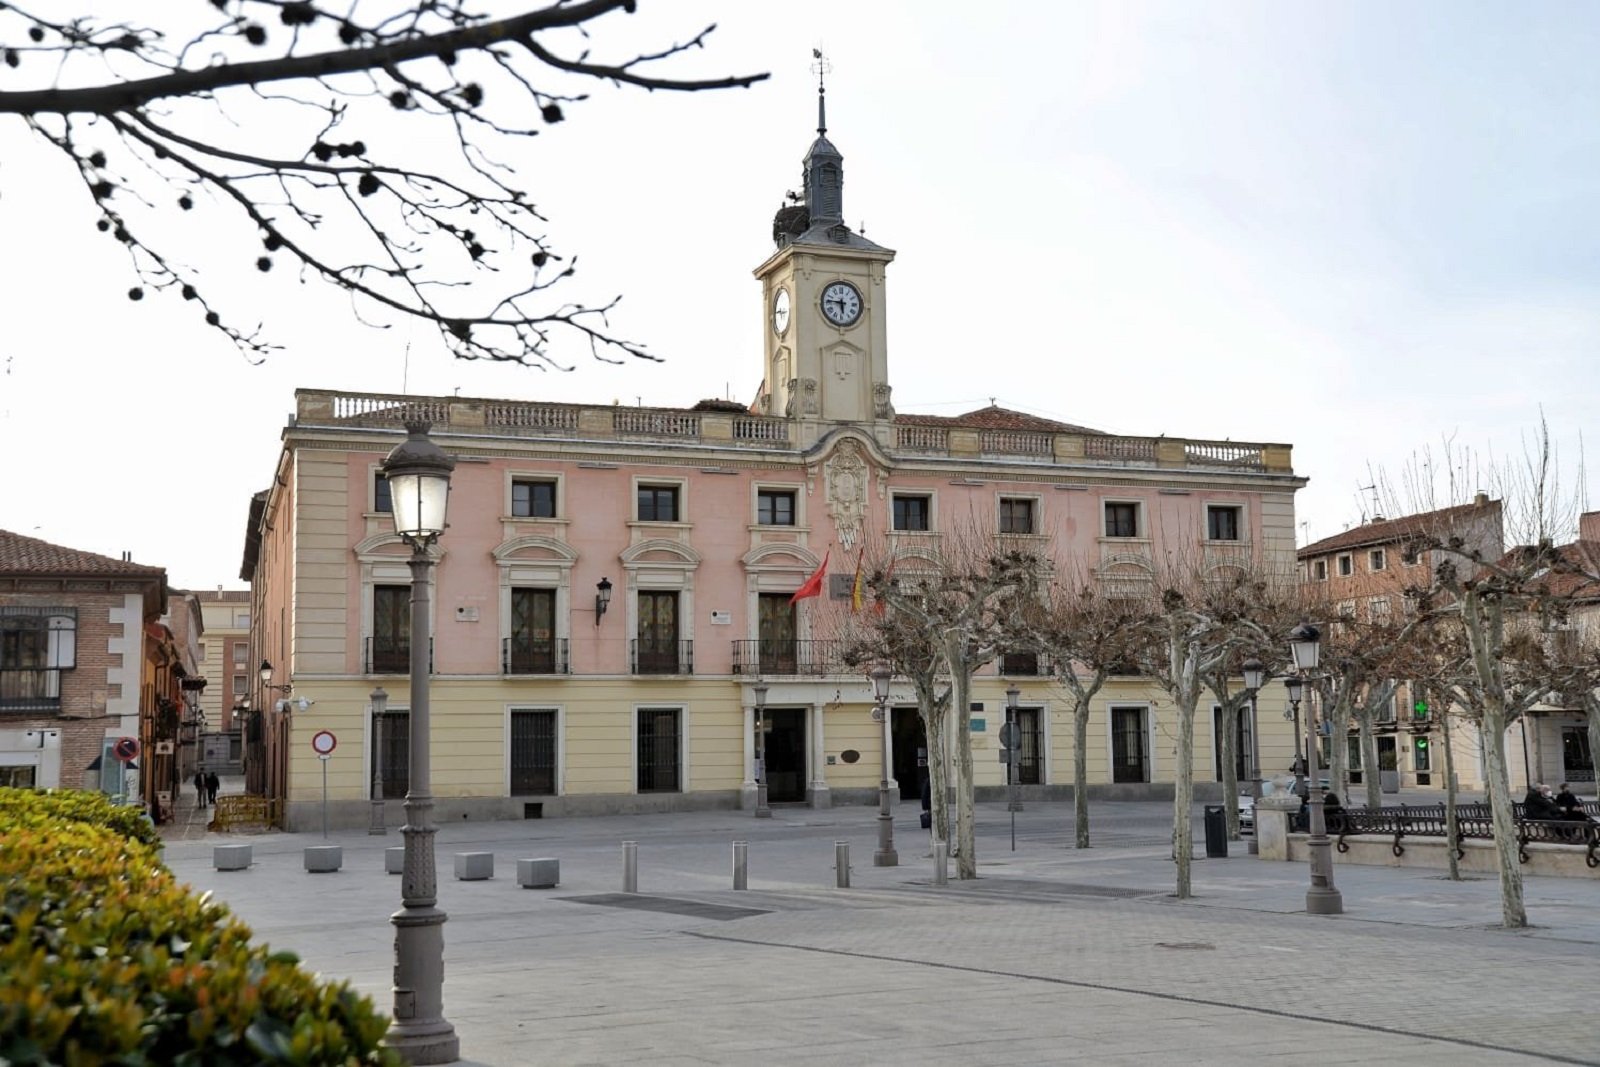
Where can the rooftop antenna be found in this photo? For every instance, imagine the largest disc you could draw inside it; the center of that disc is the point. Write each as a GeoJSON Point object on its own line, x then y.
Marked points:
{"type": "Point", "coordinates": [405, 369]}
{"type": "Point", "coordinates": [1305, 531]}
{"type": "Point", "coordinates": [821, 68]}
{"type": "Point", "coordinates": [1373, 489]}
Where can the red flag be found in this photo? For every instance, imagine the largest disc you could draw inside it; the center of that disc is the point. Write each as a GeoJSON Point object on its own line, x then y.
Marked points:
{"type": "Point", "coordinates": [813, 584]}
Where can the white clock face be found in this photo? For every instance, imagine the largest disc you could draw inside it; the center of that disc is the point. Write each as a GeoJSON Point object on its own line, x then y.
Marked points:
{"type": "Point", "coordinates": [841, 304]}
{"type": "Point", "coordinates": [780, 312]}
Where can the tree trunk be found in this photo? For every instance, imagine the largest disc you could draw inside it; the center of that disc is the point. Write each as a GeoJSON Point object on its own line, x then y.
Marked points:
{"type": "Point", "coordinates": [1080, 772]}
{"type": "Point", "coordinates": [1339, 745]}
{"type": "Point", "coordinates": [1483, 626]}
{"type": "Point", "coordinates": [1371, 773]}
{"type": "Point", "coordinates": [1228, 723]}
{"type": "Point", "coordinates": [1451, 822]}
{"type": "Point", "coordinates": [1183, 796]}
{"type": "Point", "coordinates": [936, 723]}
{"type": "Point", "coordinates": [966, 817]}
{"type": "Point", "coordinates": [1591, 705]}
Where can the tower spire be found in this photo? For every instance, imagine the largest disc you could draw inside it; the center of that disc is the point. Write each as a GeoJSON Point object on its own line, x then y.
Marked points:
{"type": "Point", "coordinates": [820, 67]}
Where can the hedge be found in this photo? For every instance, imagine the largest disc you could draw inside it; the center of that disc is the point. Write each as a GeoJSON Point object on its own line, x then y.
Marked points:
{"type": "Point", "coordinates": [106, 959]}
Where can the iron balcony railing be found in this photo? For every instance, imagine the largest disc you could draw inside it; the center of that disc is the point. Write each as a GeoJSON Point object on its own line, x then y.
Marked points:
{"type": "Point", "coordinates": [1025, 665]}
{"type": "Point", "coordinates": [771, 656]}
{"type": "Point", "coordinates": [29, 688]}
{"type": "Point", "coordinates": [391, 657]}
{"type": "Point", "coordinates": [534, 657]}
{"type": "Point", "coordinates": [661, 657]}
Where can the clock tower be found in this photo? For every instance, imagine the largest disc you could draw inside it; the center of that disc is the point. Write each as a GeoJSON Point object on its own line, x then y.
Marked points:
{"type": "Point", "coordinates": [823, 306]}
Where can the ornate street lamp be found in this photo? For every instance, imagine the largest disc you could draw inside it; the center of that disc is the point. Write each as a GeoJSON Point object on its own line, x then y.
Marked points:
{"type": "Point", "coordinates": [1255, 676]}
{"type": "Point", "coordinates": [1295, 687]}
{"type": "Point", "coordinates": [886, 856]}
{"type": "Point", "coordinates": [1322, 898]}
{"type": "Point", "coordinates": [1014, 745]}
{"type": "Point", "coordinates": [266, 679]}
{"type": "Point", "coordinates": [760, 691]}
{"type": "Point", "coordinates": [418, 473]}
{"type": "Point", "coordinates": [602, 598]}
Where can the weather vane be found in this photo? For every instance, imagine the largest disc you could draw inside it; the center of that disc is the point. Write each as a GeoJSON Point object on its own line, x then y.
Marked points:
{"type": "Point", "coordinates": [821, 68]}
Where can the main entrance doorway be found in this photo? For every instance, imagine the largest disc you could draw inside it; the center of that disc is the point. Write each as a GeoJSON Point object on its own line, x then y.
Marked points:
{"type": "Point", "coordinates": [786, 755]}
{"type": "Point", "coordinates": [910, 751]}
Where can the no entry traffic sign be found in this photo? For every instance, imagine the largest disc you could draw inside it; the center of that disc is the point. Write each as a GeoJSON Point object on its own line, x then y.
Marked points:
{"type": "Point", "coordinates": [323, 742]}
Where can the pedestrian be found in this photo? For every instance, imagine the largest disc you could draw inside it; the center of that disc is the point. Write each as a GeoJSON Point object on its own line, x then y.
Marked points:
{"type": "Point", "coordinates": [200, 788]}
{"type": "Point", "coordinates": [1539, 806]}
{"type": "Point", "coordinates": [213, 783]}
{"type": "Point", "coordinates": [1571, 807]}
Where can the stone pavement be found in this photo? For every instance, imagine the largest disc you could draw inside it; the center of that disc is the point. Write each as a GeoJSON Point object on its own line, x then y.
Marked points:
{"type": "Point", "coordinates": [1053, 955]}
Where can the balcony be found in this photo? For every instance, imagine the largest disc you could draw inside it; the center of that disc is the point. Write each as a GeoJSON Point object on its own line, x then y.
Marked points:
{"type": "Point", "coordinates": [391, 657]}
{"type": "Point", "coordinates": [661, 657]}
{"type": "Point", "coordinates": [807, 659]}
{"type": "Point", "coordinates": [30, 689]}
{"type": "Point", "coordinates": [1024, 665]}
{"type": "Point", "coordinates": [534, 657]}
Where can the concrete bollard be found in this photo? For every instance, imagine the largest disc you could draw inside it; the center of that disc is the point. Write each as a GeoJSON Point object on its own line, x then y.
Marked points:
{"type": "Point", "coordinates": [324, 859]}
{"type": "Point", "coordinates": [539, 873]}
{"type": "Point", "coordinates": [474, 866]}
{"type": "Point", "coordinates": [741, 865]}
{"type": "Point", "coordinates": [630, 866]}
{"type": "Point", "coordinates": [231, 857]}
{"type": "Point", "coordinates": [394, 859]}
{"type": "Point", "coordinates": [841, 864]}
{"type": "Point", "coordinates": [941, 863]}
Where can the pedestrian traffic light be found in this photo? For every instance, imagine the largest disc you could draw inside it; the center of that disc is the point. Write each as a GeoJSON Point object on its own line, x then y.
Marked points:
{"type": "Point", "coordinates": [1420, 709]}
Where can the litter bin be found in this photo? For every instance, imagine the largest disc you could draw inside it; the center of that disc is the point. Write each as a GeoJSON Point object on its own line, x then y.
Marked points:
{"type": "Point", "coordinates": [1216, 832]}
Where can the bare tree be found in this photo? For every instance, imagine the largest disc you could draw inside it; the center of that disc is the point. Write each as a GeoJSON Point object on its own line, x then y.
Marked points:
{"type": "Point", "coordinates": [1086, 636]}
{"type": "Point", "coordinates": [367, 144]}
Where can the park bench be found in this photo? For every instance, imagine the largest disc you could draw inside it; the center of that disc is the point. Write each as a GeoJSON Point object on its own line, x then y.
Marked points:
{"type": "Point", "coordinates": [1472, 821]}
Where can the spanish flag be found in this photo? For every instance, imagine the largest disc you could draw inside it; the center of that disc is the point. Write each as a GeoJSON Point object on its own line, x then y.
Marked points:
{"type": "Point", "coordinates": [856, 587]}
{"type": "Point", "coordinates": [813, 584]}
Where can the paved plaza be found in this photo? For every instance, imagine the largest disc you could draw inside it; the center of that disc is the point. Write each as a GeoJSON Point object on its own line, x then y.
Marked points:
{"type": "Point", "coordinates": [1054, 955]}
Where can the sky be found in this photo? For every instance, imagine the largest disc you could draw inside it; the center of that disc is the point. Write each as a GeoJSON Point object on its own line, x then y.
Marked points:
{"type": "Point", "coordinates": [1363, 229]}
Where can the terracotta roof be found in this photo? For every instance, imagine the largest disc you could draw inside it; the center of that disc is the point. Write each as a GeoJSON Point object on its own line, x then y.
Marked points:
{"type": "Point", "coordinates": [1389, 531]}
{"type": "Point", "coordinates": [1584, 555]}
{"type": "Point", "coordinates": [994, 417]}
{"type": "Point", "coordinates": [29, 555]}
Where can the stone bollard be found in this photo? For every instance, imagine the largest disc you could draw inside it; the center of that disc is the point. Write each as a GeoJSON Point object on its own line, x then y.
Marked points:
{"type": "Point", "coordinates": [394, 859]}
{"type": "Point", "coordinates": [324, 859]}
{"type": "Point", "coordinates": [231, 857]}
{"type": "Point", "coordinates": [841, 864]}
{"type": "Point", "coordinates": [741, 865]}
{"type": "Point", "coordinates": [630, 866]}
{"type": "Point", "coordinates": [474, 866]}
{"type": "Point", "coordinates": [941, 862]}
{"type": "Point", "coordinates": [541, 873]}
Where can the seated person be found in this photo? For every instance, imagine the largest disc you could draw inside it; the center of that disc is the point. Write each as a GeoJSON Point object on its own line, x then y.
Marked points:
{"type": "Point", "coordinates": [1538, 805]}
{"type": "Point", "coordinates": [1332, 811]}
{"type": "Point", "coordinates": [1571, 807]}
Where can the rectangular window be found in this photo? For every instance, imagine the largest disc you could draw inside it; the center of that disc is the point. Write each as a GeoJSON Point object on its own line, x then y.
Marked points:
{"type": "Point", "coordinates": [533, 499]}
{"type": "Point", "coordinates": [36, 645]}
{"type": "Point", "coordinates": [658, 751]}
{"type": "Point", "coordinates": [1346, 566]}
{"type": "Point", "coordinates": [1241, 743]}
{"type": "Point", "coordinates": [1411, 554]}
{"type": "Point", "coordinates": [1319, 570]}
{"type": "Point", "coordinates": [912, 512]}
{"type": "Point", "coordinates": [241, 620]}
{"type": "Point", "coordinates": [391, 753]}
{"type": "Point", "coordinates": [17, 777]}
{"type": "Point", "coordinates": [1130, 759]}
{"type": "Point", "coordinates": [382, 503]}
{"type": "Point", "coordinates": [1122, 520]}
{"type": "Point", "coordinates": [658, 503]}
{"type": "Point", "coordinates": [533, 753]}
{"type": "Point", "coordinates": [656, 650]}
{"type": "Point", "coordinates": [1222, 523]}
{"type": "Point", "coordinates": [1016, 515]}
{"type": "Point", "coordinates": [1376, 560]}
{"type": "Point", "coordinates": [531, 645]}
{"type": "Point", "coordinates": [1031, 737]}
{"type": "Point", "coordinates": [775, 507]}
{"type": "Point", "coordinates": [390, 643]}
{"type": "Point", "coordinates": [1378, 609]}
{"type": "Point", "coordinates": [1025, 664]}
{"type": "Point", "coordinates": [241, 653]}
{"type": "Point", "coordinates": [776, 627]}
{"type": "Point", "coordinates": [239, 685]}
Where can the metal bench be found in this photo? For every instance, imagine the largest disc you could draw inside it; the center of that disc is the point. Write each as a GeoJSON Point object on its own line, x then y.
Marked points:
{"type": "Point", "coordinates": [1472, 821]}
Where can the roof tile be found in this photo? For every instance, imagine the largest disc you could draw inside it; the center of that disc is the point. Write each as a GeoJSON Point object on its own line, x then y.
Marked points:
{"type": "Point", "coordinates": [29, 555]}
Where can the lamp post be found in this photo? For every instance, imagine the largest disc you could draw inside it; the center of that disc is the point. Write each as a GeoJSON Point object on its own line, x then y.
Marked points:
{"type": "Point", "coordinates": [1013, 739]}
{"type": "Point", "coordinates": [418, 472]}
{"type": "Point", "coordinates": [886, 856]}
{"type": "Point", "coordinates": [602, 599]}
{"type": "Point", "coordinates": [760, 691]}
{"type": "Point", "coordinates": [1322, 898]}
{"type": "Point", "coordinates": [1255, 676]}
{"type": "Point", "coordinates": [1294, 686]}
{"type": "Point", "coordinates": [380, 704]}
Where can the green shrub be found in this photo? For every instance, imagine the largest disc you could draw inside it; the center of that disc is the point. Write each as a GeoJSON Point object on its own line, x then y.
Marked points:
{"type": "Point", "coordinates": [106, 959]}
{"type": "Point", "coordinates": [30, 807]}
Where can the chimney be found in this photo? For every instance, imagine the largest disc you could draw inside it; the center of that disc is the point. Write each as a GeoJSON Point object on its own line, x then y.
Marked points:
{"type": "Point", "coordinates": [1589, 526]}
{"type": "Point", "coordinates": [1480, 499]}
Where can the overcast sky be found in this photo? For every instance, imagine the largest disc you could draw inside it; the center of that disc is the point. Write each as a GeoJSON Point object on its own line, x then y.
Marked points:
{"type": "Point", "coordinates": [1358, 228]}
